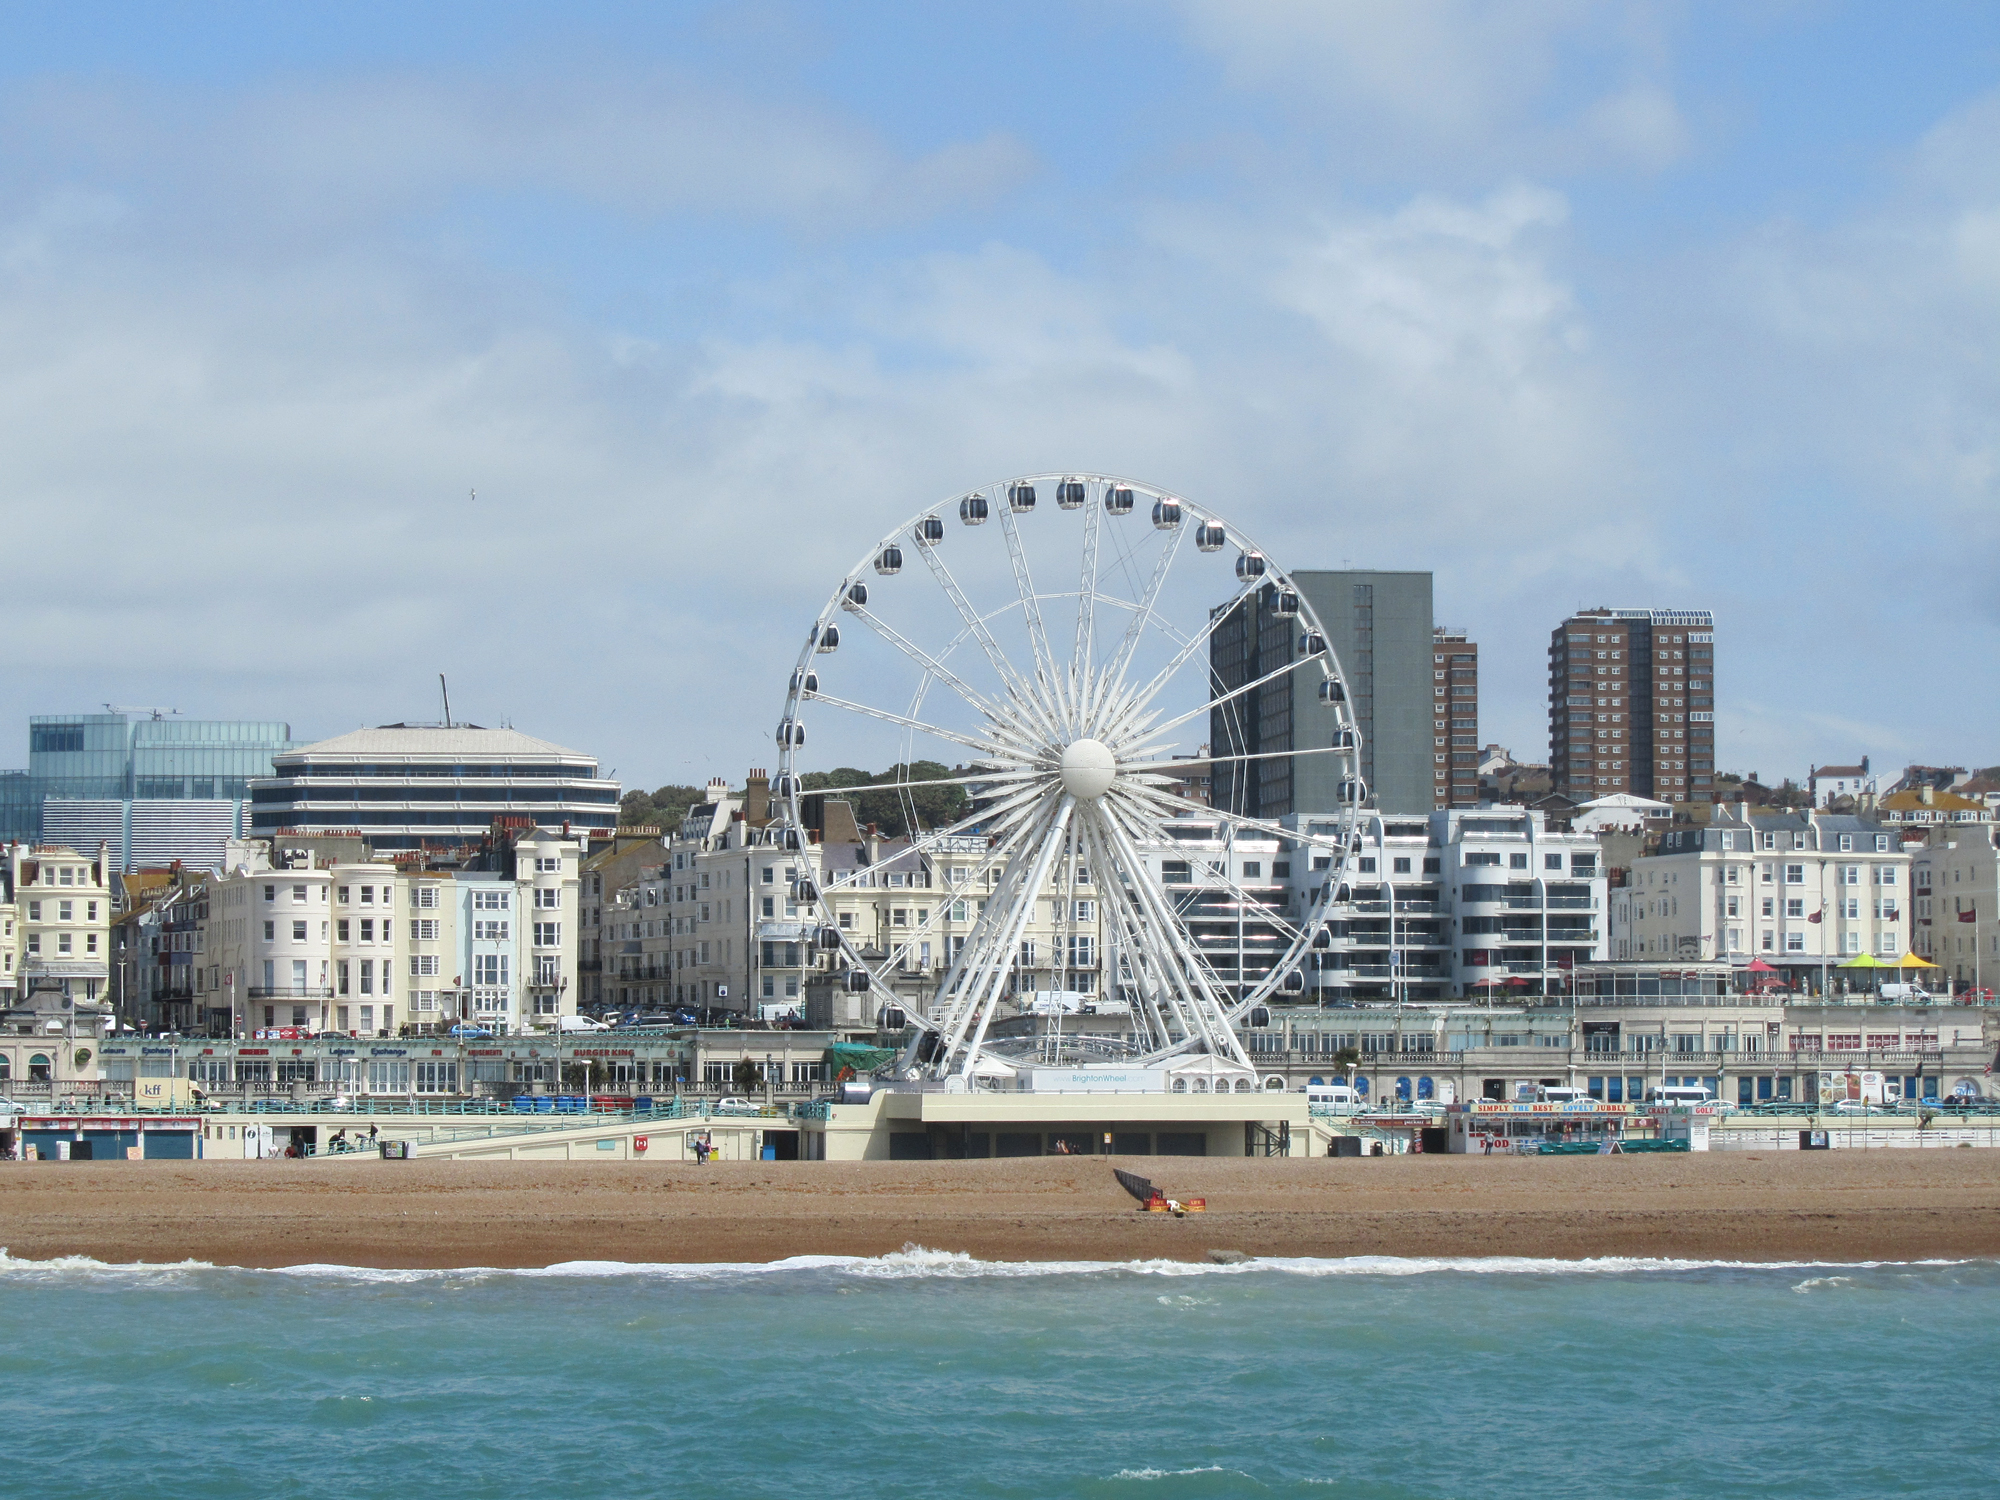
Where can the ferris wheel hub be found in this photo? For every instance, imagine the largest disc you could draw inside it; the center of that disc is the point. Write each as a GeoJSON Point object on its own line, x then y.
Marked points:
{"type": "Point", "coordinates": [1088, 768]}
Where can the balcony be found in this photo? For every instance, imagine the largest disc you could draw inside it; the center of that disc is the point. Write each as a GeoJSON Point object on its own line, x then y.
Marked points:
{"type": "Point", "coordinates": [289, 992]}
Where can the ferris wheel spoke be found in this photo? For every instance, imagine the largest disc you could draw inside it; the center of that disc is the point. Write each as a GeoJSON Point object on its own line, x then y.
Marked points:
{"type": "Point", "coordinates": [1168, 804]}
{"type": "Point", "coordinates": [903, 721]}
{"type": "Point", "coordinates": [974, 621]}
{"type": "Point", "coordinates": [997, 777]}
{"type": "Point", "coordinates": [925, 660]}
{"type": "Point", "coordinates": [1031, 605]}
{"type": "Point", "coordinates": [1229, 697]}
{"type": "Point", "coordinates": [1148, 983]}
{"type": "Point", "coordinates": [1136, 701]}
{"type": "Point", "coordinates": [1206, 1006]}
{"type": "Point", "coordinates": [1007, 850]}
{"type": "Point", "coordinates": [1114, 673]}
{"type": "Point", "coordinates": [1086, 600]}
{"type": "Point", "coordinates": [927, 843]}
{"type": "Point", "coordinates": [959, 994]}
{"type": "Point", "coordinates": [1017, 923]}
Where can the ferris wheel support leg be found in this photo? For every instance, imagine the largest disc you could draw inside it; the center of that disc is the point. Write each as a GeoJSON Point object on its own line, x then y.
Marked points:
{"type": "Point", "coordinates": [1024, 909]}
{"type": "Point", "coordinates": [1209, 1011]}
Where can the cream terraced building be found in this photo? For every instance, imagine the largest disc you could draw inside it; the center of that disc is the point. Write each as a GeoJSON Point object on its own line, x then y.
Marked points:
{"type": "Point", "coordinates": [316, 937]}
{"type": "Point", "coordinates": [1802, 892]}
{"type": "Point", "coordinates": [55, 921]}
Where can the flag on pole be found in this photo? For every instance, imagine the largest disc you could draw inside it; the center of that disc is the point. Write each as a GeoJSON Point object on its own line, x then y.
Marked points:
{"type": "Point", "coordinates": [1970, 914]}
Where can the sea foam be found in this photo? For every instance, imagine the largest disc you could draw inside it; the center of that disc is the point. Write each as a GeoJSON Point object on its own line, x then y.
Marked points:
{"type": "Point", "coordinates": [915, 1262]}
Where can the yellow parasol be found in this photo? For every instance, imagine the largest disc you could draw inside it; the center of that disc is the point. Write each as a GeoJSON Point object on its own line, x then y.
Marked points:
{"type": "Point", "coordinates": [1911, 961]}
{"type": "Point", "coordinates": [1865, 961]}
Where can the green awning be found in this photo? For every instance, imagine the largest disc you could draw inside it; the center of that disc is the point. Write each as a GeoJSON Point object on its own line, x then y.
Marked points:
{"type": "Point", "coordinates": [863, 1059]}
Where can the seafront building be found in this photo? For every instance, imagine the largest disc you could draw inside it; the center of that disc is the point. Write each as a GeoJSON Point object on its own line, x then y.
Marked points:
{"type": "Point", "coordinates": [1467, 901]}
{"type": "Point", "coordinates": [1800, 893]}
{"type": "Point", "coordinates": [430, 786]}
{"type": "Point", "coordinates": [1955, 901]}
{"type": "Point", "coordinates": [315, 934]}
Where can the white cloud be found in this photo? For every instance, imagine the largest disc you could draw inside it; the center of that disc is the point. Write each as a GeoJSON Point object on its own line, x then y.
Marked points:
{"type": "Point", "coordinates": [1457, 84]}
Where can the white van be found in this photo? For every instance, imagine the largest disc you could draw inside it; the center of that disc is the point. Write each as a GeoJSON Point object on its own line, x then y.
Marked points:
{"type": "Point", "coordinates": [1673, 1093]}
{"type": "Point", "coordinates": [1550, 1095]}
{"type": "Point", "coordinates": [1331, 1095]}
{"type": "Point", "coordinates": [1904, 992]}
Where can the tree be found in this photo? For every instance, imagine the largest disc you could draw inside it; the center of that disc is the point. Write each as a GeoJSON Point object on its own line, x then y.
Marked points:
{"type": "Point", "coordinates": [891, 811]}
{"type": "Point", "coordinates": [745, 1076]}
{"type": "Point", "coordinates": [662, 809]}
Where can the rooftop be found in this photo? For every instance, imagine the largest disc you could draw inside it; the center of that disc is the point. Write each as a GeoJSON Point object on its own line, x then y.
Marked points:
{"type": "Point", "coordinates": [422, 742]}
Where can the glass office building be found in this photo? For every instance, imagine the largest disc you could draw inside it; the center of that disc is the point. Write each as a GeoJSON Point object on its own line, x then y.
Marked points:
{"type": "Point", "coordinates": [155, 788]}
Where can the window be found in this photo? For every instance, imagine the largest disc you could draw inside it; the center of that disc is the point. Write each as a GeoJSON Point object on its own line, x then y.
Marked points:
{"type": "Point", "coordinates": [367, 929]}
{"type": "Point", "coordinates": [489, 930]}
{"type": "Point", "coordinates": [1366, 864]}
{"type": "Point", "coordinates": [770, 906]}
{"type": "Point", "coordinates": [298, 932]}
{"type": "Point", "coordinates": [1549, 862]}
{"type": "Point", "coordinates": [548, 934]}
{"type": "Point", "coordinates": [1400, 865]}
{"type": "Point", "coordinates": [1795, 906]}
{"type": "Point", "coordinates": [65, 911]}
{"type": "Point", "coordinates": [1850, 874]}
{"type": "Point", "coordinates": [1253, 870]}
{"type": "Point", "coordinates": [546, 866]}
{"type": "Point", "coordinates": [490, 900]}
{"type": "Point", "coordinates": [1770, 841]}
{"type": "Point", "coordinates": [298, 895]}
{"type": "Point", "coordinates": [1767, 905]}
{"type": "Point", "coordinates": [270, 931]}
{"type": "Point", "coordinates": [549, 898]}
{"type": "Point", "coordinates": [1517, 861]}
{"type": "Point", "coordinates": [1795, 942]}
{"type": "Point", "coordinates": [423, 897]}
{"type": "Point", "coordinates": [489, 969]}
{"type": "Point", "coordinates": [367, 976]}
{"type": "Point", "coordinates": [423, 965]}
{"type": "Point", "coordinates": [340, 929]}
{"type": "Point", "coordinates": [1887, 874]}
{"type": "Point", "coordinates": [1795, 874]}
{"type": "Point", "coordinates": [368, 895]}
{"type": "Point", "coordinates": [1085, 911]}
{"type": "Point", "coordinates": [424, 931]}
{"type": "Point", "coordinates": [1881, 843]}
{"type": "Point", "coordinates": [1846, 843]}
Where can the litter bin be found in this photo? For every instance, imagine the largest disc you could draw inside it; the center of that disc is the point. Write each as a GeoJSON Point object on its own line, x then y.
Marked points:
{"type": "Point", "coordinates": [770, 1153]}
{"type": "Point", "coordinates": [1344, 1145]}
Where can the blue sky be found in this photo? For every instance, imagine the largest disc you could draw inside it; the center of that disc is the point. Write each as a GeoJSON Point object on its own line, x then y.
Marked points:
{"type": "Point", "coordinates": [1633, 304]}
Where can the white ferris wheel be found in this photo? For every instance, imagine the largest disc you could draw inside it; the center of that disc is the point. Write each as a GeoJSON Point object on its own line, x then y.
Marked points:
{"type": "Point", "coordinates": [1046, 643]}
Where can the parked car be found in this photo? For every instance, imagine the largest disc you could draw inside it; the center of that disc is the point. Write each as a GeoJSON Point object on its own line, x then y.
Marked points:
{"type": "Point", "coordinates": [736, 1104]}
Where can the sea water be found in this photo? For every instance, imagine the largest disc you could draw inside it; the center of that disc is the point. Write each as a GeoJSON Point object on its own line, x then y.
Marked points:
{"type": "Point", "coordinates": [931, 1374]}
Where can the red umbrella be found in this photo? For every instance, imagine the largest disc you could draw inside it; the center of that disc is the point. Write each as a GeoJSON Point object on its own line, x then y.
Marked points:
{"type": "Point", "coordinates": [1518, 982]}
{"type": "Point", "coordinates": [1758, 966]}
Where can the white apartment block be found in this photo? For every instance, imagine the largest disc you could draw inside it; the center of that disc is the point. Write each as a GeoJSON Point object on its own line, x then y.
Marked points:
{"type": "Point", "coordinates": [303, 943]}
{"type": "Point", "coordinates": [1465, 901]}
{"type": "Point", "coordinates": [1803, 892]}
